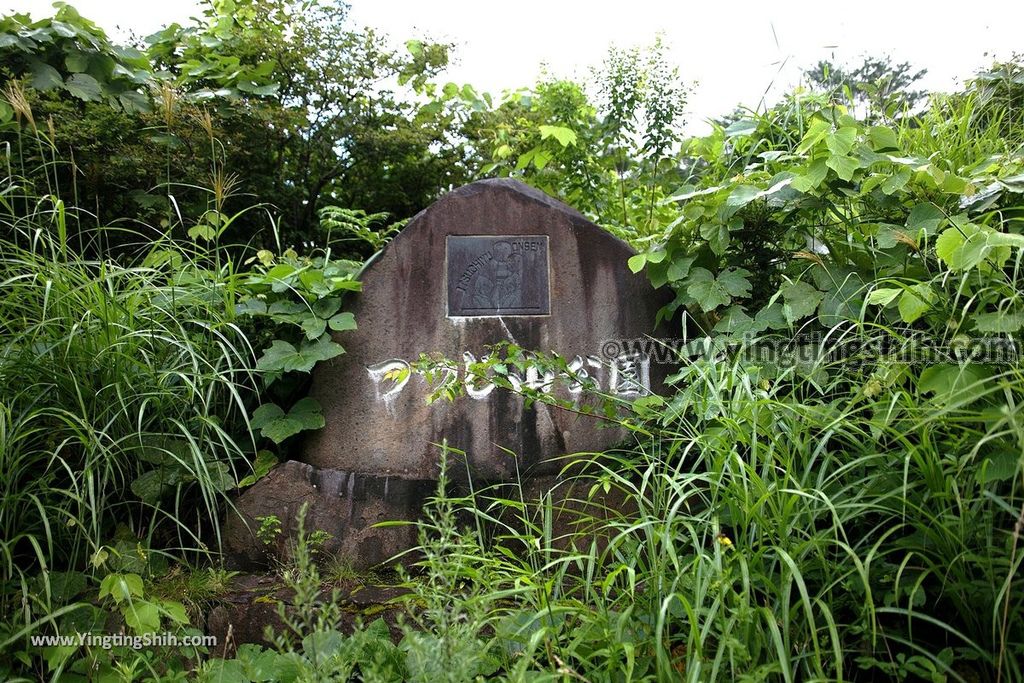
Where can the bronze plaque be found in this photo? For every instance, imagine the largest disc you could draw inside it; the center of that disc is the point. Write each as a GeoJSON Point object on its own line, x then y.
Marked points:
{"type": "Point", "coordinates": [498, 275]}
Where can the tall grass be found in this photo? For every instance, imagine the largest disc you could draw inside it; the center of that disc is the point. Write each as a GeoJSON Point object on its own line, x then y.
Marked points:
{"type": "Point", "coordinates": [771, 524]}
{"type": "Point", "coordinates": [121, 394]}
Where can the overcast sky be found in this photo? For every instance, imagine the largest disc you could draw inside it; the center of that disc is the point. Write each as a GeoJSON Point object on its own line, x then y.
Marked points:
{"type": "Point", "coordinates": [735, 51]}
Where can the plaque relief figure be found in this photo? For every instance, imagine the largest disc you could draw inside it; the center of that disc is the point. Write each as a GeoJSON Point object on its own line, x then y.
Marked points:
{"type": "Point", "coordinates": [500, 283]}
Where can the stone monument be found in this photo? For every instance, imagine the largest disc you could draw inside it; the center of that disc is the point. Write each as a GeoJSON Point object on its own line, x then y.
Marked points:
{"type": "Point", "coordinates": [493, 261]}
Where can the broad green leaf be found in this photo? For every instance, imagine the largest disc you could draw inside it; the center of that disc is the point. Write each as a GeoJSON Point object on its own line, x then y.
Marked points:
{"type": "Point", "coordinates": [841, 142]}
{"type": "Point", "coordinates": [896, 181]}
{"type": "Point", "coordinates": [883, 138]}
{"type": "Point", "coordinates": [717, 236]}
{"type": "Point", "coordinates": [817, 131]}
{"type": "Point", "coordinates": [325, 308]}
{"type": "Point", "coordinates": [735, 321]}
{"type": "Point", "coordinates": [265, 461]}
{"type": "Point", "coordinates": [84, 87]}
{"type": "Point", "coordinates": [954, 383]}
{"type": "Point", "coordinates": [148, 486]}
{"type": "Point", "coordinates": [44, 76]}
{"type": "Point", "coordinates": [741, 127]}
{"type": "Point", "coordinates": [142, 616]}
{"type": "Point", "coordinates": [947, 244]}
{"type": "Point", "coordinates": [1002, 466]}
{"type": "Point", "coordinates": [711, 292]}
{"type": "Point", "coordinates": [915, 302]}
{"type": "Point", "coordinates": [926, 217]}
{"type": "Point", "coordinates": [741, 196]}
{"type": "Point", "coordinates": [77, 62]}
{"type": "Point", "coordinates": [202, 231]}
{"type": "Point", "coordinates": [175, 611]}
{"type": "Point", "coordinates": [565, 136]}
{"type": "Point", "coordinates": [636, 263]}
{"type": "Point", "coordinates": [283, 357]}
{"type": "Point", "coordinates": [276, 425]}
{"type": "Point", "coordinates": [800, 300]}
{"type": "Point", "coordinates": [313, 326]}
{"type": "Point", "coordinates": [966, 246]}
{"type": "Point", "coordinates": [735, 281]}
{"type": "Point", "coordinates": [1003, 322]}
{"type": "Point", "coordinates": [844, 166]}
{"type": "Point", "coordinates": [679, 268]}
{"type": "Point", "coordinates": [656, 256]}
{"type": "Point", "coordinates": [883, 296]}
{"type": "Point", "coordinates": [343, 322]}
{"type": "Point", "coordinates": [708, 293]}
{"type": "Point", "coordinates": [815, 174]}
{"type": "Point", "coordinates": [121, 587]}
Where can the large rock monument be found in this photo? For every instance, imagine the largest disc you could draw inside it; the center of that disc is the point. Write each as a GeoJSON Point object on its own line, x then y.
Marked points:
{"type": "Point", "coordinates": [493, 261]}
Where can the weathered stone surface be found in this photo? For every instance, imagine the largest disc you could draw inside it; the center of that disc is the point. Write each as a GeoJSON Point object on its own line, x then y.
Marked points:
{"type": "Point", "coordinates": [344, 504]}
{"type": "Point", "coordinates": [243, 614]}
{"type": "Point", "coordinates": [492, 261]}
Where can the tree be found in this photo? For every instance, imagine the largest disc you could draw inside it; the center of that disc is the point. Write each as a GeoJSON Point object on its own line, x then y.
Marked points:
{"type": "Point", "coordinates": [877, 87]}
{"type": "Point", "coordinates": [608, 152]}
{"type": "Point", "coordinates": [279, 102]}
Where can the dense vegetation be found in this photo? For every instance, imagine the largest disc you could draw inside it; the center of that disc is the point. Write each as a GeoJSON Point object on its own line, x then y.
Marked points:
{"type": "Point", "coordinates": [832, 490]}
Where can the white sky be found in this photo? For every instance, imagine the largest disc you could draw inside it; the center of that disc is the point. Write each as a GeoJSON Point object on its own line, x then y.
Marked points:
{"type": "Point", "coordinates": [735, 50]}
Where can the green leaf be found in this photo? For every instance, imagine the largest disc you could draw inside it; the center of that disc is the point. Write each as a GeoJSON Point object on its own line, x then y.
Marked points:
{"type": "Point", "coordinates": [325, 308]}
{"type": "Point", "coordinates": [121, 587]}
{"type": "Point", "coordinates": [711, 292]}
{"type": "Point", "coordinates": [679, 268]}
{"type": "Point", "coordinates": [883, 138]}
{"type": "Point", "coordinates": [915, 302]}
{"type": "Point", "coordinates": [883, 296]}
{"type": "Point", "coordinates": [1003, 322]}
{"type": "Point", "coordinates": [717, 236]}
{"type": "Point", "coordinates": [44, 76]}
{"type": "Point", "coordinates": [735, 282]}
{"type": "Point", "coordinates": [565, 136]}
{"type": "Point", "coordinates": [926, 217]}
{"type": "Point", "coordinates": [843, 166]}
{"type": "Point", "coordinates": [800, 300]}
{"type": "Point", "coordinates": [277, 426]}
{"type": "Point", "coordinates": [741, 195]}
{"type": "Point", "coordinates": [1002, 466]}
{"type": "Point", "coordinates": [741, 127]}
{"type": "Point", "coordinates": [77, 62]}
{"type": "Point", "coordinates": [735, 321]}
{"type": "Point", "coordinates": [841, 142]}
{"type": "Point", "coordinates": [949, 383]}
{"type": "Point", "coordinates": [84, 87]}
{"type": "Point", "coordinates": [965, 247]}
{"type": "Point", "coordinates": [705, 290]}
{"type": "Point", "coordinates": [817, 131]}
{"type": "Point", "coordinates": [148, 486]}
{"type": "Point", "coordinates": [175, 611]}
{"type": "Point", "coordinates": [815, 174]}
{"type": "Point", "coordinates": [313, 326]}
{"type": "Point", "coordinates": [343, 322]}
{"type": "Point", "coordinates": [265, 461]}
{"type": "Point", "coordinates": [283, 357]}
{"type": "Point", "coordinates": [636, 263]}
{"type": "Point", "coordinates": [896, 181]}
{"type": "Point", "coordinates": [202, 231]}
{"type": "Point", "coordinates": [142, 616]}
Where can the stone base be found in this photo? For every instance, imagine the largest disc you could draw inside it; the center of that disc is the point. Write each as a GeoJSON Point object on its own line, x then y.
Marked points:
{"type": "Point", "coordinates": [342, 504]}
{"type": "Point", "coordinates": [252, 604]}
{"type": "Point", "coordinates": [347, 506]}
